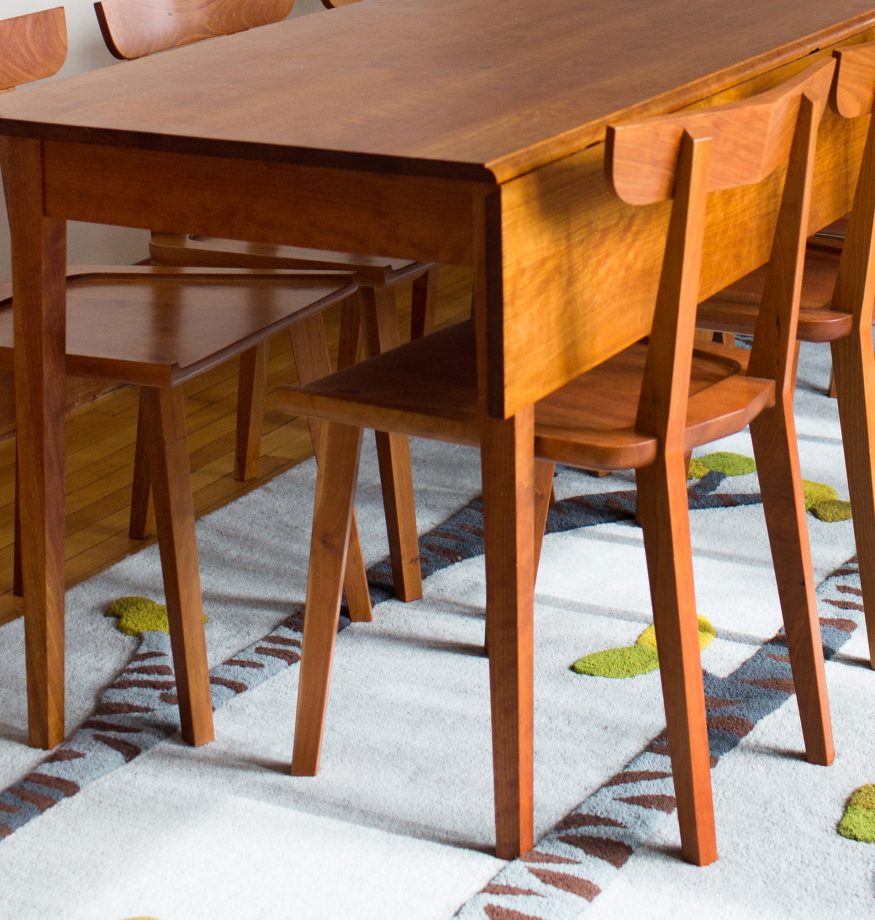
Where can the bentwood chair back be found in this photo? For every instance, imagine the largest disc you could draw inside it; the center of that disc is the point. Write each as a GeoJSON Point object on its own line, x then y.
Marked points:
{"type": "Point", "coordinates": [34, 47]}
{"type": "Point", "coordinates": [135, 28]}
{"type": "Point", "coordinates": [155, 328]}
{"type": "Point", "coordinates": [644, 408]}
{"type": "Point", "coordinates": [838, 293]}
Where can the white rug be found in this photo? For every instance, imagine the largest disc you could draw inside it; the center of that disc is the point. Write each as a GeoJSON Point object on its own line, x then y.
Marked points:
{"type": "Point", "coordinates": [399, 822]}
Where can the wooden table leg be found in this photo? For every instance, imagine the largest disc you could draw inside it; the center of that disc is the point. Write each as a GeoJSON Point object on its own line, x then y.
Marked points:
{"type": "Point", "coordinates": [507, 451]}
{"type": "Point", "coordinates": [39, 267]}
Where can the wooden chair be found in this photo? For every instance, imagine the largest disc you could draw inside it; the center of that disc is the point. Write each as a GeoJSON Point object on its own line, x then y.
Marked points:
{"type": "Point", "coordinates": [428, 388]}
{"type": "Point", "coordinates": [838, 289]}
{"type": "Point", "coordinates": [155, 328]}
{"type": "Point", "coordinates": [135, 28]}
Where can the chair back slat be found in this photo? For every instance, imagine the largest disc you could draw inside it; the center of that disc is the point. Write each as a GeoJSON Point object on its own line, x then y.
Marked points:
{"type": "Point", "coordinates": [774, 343]}
{"type": "Point", "coordinates": [662, 407]}
{"type": "Point", "coordinates": [750, 139]}
{"type": "Point", "coordinates": [32, 47]}
{"type": "Point", "coordinates": [135, 28]}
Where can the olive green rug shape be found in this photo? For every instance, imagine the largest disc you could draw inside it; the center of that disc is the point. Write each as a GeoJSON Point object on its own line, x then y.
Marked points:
{"type": "Point", "coordinates": [632, 660]}
{"type": "Point", "coordinates": [858, 821]}
{"type": "Point", "coordinates": [137, 614]}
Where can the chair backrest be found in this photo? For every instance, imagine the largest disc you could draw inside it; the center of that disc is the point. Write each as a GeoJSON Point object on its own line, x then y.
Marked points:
{"type": "Point", "coordinates": [683, 157]}
{"type": "Point", "coordinates": [32, 47]}
{"type": "Point", "coordinates": [853, 97]}
{"type": "Point", "coordinates": [135, 28]}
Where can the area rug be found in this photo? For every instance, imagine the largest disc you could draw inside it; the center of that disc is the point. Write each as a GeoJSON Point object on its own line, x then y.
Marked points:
{"type": "Point", "coordinates": [125, 821]}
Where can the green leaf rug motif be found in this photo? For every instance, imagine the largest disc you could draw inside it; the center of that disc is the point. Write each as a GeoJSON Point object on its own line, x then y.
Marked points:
{"type": "Point", "coordinates": [858, 821]}
{"type": "Point", "coordinates": [137, 615]}
{"type": "Point", "coordinates": [821, 500]}
{"type": "Point", "coordinates": [632, 660]}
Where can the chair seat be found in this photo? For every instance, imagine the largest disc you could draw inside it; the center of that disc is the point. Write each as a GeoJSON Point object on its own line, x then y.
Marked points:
{"type": "Point", "coordinates": [428, 388]}
{"type": "Point", "coordinates": [178, 249]}
{"type": "Point", "coordinates": [735, 308]}
{"type": "Point", "coordinates": [160, 326]}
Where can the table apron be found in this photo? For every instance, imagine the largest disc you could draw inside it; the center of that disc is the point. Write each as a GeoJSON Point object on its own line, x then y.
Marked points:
{"type": "Point", "coordinates": [420, 218]}
{"type": "Point", "coordinates": [580, 269]}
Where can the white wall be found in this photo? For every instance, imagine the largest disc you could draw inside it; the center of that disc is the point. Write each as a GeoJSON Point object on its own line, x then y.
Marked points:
{"type": "Point", "coordinates": [89, 243]}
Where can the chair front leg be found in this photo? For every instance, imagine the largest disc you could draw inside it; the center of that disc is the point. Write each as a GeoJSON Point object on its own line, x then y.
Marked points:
{"type": "Point", "coordinates": [664, 517]}
{"type": "Point", "coordinates": [164, 425]}
{"type": "Point", "coordinates": [393, 453]}
{"type": "Point", "coordinates": [332, 520]}
{"type": "Point", "coordinates": [854, 369]}
{"type": "Point", "coordinates": [251, 386]}
{"type": "Point", "coordinates": [774, 443]}
{"type": "Point", "coordinates": [312, 361]}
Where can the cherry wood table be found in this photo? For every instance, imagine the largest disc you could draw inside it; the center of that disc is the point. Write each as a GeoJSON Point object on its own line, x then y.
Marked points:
{"type": "Point", "coordinates": [459, 131]}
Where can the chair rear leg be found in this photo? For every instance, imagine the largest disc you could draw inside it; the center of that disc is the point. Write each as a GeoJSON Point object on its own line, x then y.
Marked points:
{"type": "Point", "coordinates": [164, 423]}
{"type": "Point", "coordinates": [854, 373]}
{"type": "Point", "coordinates": [664, 516]}
{"type": "Point", "coordinates": [251, 386]}
{"type": "Point", "coordinates": [312, 361]}
{"type": "Point", "coordinates": [332, 520]}
{"type": "Point", "coordinates": [393, 453]}
{"type": "Point", "coordinates": [422, 304]}
{"type": "Point", "coordinates": [142, 520]}
{"type": "Point", "coordinates": [774, 443]}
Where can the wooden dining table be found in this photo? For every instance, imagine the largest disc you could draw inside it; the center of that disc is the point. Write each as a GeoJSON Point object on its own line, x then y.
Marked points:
{"type": "Point", "coordinates": [455, 131]}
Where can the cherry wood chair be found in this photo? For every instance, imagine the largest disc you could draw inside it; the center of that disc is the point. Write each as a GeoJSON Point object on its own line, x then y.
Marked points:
{"type": "Point", "coordinates": [135, 28]}
{"type": "Point", "coordinates": [155, 328]}
{"type": "Point", "coordinates": [643, 409]}
{"type": "Point", "coordinates": [838, 290]}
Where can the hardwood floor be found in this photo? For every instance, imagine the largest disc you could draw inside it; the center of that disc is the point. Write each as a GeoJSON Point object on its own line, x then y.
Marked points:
{"type": "Point", "coordinates": [100, 451]}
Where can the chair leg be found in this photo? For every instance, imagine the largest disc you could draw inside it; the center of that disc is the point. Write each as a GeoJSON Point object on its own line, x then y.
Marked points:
{"type": "Point", "coordinates": [142, 520]}
{"type": "Point", "coordinates": [544, 471]}
{"type": "Point", "coordinates": [17, 571]}
{"type": "Point", "coordinates": [774, 443]}
{"type": "Point", "coordinates": [164, 419]}
{"type": "Point", "coordinates": [508, 514]}
{"type": "Point", "coordinates": [252, 383]}
{"type": "Point", "coordinates": [350, 338]}
{"type": "Point", "coordinates": [393, 452]}
{"type": "Point", "coordinates": [662, 507]}
{"type": "Point", "coordinates": [312, 361]}
{"type": "Point", "coordinates": [332, 519]}
{"type": "Point", "coordinates": [422, 304]}
{"type": "Point", "coordinates": [854, 370]}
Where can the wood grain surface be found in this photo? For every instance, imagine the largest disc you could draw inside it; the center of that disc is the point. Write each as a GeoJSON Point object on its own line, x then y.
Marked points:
{"type": "Point", "coordinates": [521, 85]}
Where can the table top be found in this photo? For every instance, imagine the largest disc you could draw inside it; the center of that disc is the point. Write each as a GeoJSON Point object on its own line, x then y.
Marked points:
{"type": "Point", "coordinates": [470, 89]}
